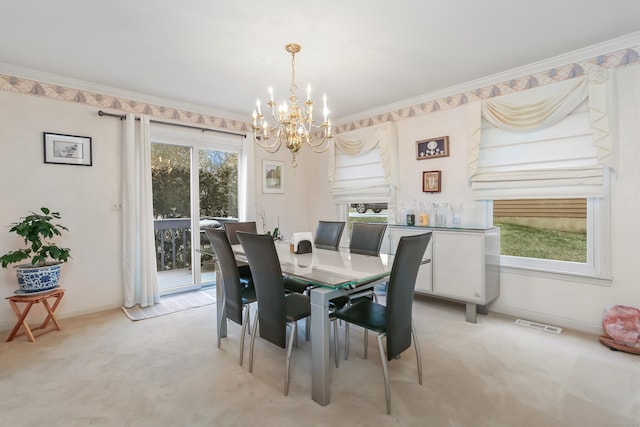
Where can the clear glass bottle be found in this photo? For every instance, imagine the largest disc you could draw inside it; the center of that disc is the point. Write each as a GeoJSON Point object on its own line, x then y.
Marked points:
{"type": "Point", "coordinates": [411, 214]}
{"type": "Point", "coordinates": [403, 215]}
{"type": "Point", "coordinates": [423, 216]}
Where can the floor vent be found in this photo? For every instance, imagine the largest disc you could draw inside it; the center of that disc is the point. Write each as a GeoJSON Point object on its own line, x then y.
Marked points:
{"type": "Point", "coordinates": [539, 326]}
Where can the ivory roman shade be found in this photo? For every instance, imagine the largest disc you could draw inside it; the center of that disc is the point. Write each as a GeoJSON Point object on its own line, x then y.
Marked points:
{"type": "Point", "coordinates": [363, 164]}
{"type": "Point", "coordinates": [549, 142]}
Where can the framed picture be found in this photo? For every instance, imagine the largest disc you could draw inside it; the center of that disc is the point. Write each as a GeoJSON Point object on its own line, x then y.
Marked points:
{"type": "Point", "coordinates": [431, 181]}
{"type": "Point", "coordinates": [272, 176]}
{"type": "Point", "coordinates": [431, 148]}
{"type": "Point", "coordinates": [67, 149]}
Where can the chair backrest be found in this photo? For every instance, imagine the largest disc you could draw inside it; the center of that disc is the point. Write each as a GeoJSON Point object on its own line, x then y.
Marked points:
{"type": "Point", "coordinates": [232, 227]}
{"type": "Point", "coordinates": [229, 272]}
{"type": "Point", "coordinates": [267, 279]}
{"type": "Point", "coordinates": [402, 283]}
{"type": "Point", "coordinates": [328, 234]}
{"type": "Point", "coordinates": [366, 239]}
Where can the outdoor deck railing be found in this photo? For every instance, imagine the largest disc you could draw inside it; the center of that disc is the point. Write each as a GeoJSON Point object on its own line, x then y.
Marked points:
{"type": "Point", "coordinates": [173, 235]}
{"type": "Point", "coordinates": [173, 242]}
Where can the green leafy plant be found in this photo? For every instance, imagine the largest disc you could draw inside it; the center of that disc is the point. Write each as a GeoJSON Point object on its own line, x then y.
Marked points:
{"type": "Point", "coordinates": [275, 233]}
{"type": "Point", "coordinates": [36, 229]}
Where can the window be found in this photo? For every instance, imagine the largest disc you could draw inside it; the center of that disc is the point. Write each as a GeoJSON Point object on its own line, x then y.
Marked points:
{"type": "Point", "coordinates": [535, 156]}
{"type": "Point", "coordinates": [366, 212]}
{"type": "Point", "coordinates": [552, 229]}
{"type": "Point", "coordinates": [570, 251]}
{"type": "Point", "coordinates": [195, 185]}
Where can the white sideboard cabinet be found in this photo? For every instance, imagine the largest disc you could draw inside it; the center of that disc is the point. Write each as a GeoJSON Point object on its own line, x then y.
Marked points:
{"type": "Point", "coordinates": [465, 264]}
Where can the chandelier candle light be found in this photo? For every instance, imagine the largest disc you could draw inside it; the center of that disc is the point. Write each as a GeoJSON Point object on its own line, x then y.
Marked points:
{"type": "Point", "coordinates": [293, 124]}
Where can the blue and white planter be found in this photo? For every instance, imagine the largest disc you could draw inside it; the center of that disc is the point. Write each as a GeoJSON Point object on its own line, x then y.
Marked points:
{"type": "Point", "coordinates": [37, 279]}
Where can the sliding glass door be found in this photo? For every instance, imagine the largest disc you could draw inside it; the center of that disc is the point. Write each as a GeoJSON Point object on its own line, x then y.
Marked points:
{"type": "Point", "coordinates": [195, 186]}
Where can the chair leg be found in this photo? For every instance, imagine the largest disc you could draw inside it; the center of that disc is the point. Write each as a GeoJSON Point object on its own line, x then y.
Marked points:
{"type": "Point", "coordinates": [253, 340]}
{"type": "Point", "coordinates": [287, 373]}
{"type": "Point", "coordinates": [385, 373]}
{"type": "Point", "coordinates": [307, 329]}
{"type": "Point", "coordinates": [224, 316]}
{"type": "Point", "coordinates": [346, 340]}
{"type": "Point", "coordinates": [417, 346]}
{"type": "Point", "coordinates": [366, 342]}
{"type": "Point", "coordinates": [245, 326]}
{"type": "Point", "coordinates": [335, 341]}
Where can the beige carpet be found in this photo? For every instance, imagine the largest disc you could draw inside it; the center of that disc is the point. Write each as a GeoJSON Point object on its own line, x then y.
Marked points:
{"type": "Point", "coordinates": [170, 304]}
{"type": "Point", "coordinates": [104, 370]}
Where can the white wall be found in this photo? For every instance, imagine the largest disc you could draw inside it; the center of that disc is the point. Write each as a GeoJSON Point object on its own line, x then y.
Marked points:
{"type": "Point", "coordinates": [81, 194]}
{"type": "Point", "coordinates": [290, 209]}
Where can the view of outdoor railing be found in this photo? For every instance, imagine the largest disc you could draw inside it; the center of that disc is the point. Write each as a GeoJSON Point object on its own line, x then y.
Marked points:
{"type": "Point", "coordinates": [173, 241]}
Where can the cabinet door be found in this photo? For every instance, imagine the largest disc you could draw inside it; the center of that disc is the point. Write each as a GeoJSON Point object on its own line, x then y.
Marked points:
{"type": "Point", "coordinates": [458, 265]}
{"type": "Point", "coordinates": [424, 280]}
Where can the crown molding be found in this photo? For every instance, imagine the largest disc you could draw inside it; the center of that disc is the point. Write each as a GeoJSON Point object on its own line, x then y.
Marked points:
{"type": "Point", "coordinates": [579, 55]}
{"type": "Point", "coordinates": [55, 79]}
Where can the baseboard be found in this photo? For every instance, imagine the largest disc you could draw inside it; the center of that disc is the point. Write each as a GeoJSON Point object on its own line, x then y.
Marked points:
{"type": "Point", "coordinates": [517, 313]}
{"type": "Point", "coordinates": [545, 318]}
{"type": "Point", "coordinates": [7, 326]}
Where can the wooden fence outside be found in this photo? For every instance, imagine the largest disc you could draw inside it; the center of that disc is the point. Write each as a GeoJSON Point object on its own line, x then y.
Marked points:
{"type": "Point", "coordinates": [560, 214]}
{"type": "Point", "coordinates": [548, 208]}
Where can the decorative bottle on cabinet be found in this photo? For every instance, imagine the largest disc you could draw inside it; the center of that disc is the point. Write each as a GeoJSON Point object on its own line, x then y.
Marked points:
{"type": "Point", "coordinates": [423, 217]}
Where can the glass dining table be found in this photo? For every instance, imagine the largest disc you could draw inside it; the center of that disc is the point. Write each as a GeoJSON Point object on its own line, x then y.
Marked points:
{"type": "Point", "coordinates": [333, 273]}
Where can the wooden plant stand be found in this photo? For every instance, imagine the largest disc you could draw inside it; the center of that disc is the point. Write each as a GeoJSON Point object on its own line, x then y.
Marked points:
{"type": "Point", "coordinates": [30, 300]}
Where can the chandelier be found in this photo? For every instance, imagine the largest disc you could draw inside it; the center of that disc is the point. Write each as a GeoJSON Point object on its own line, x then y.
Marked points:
{"type": "Point", "coordinates": [292, 124]}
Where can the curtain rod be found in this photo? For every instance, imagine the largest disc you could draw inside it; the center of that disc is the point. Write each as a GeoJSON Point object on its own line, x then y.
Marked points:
{"type": "Point", "coordinates": [124, 117]}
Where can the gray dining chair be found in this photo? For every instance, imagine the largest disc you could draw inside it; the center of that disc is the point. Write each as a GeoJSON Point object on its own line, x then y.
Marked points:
{"type": "Point", "coordinates": [231, 228]}
{"type": "Point", "coordinates": [366, 239]}
{"type": "Point", "coordinates": [276, 310]}
{"type": "Point", "coordinates": [393, 321]}
{"type": "Point", "coordinates": [238, 293]}
{"type": "Point", "coordinates": [328, 234]}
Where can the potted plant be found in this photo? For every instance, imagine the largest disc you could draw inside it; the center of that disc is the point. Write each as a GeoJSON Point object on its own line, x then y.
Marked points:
{"type": "Point", "coordinates": [43, 272]}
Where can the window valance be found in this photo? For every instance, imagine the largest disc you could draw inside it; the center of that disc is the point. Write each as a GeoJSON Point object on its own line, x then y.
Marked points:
{"type": "Point", "coordinates": [363, 164]}
{"type": "Point", "coordinates": [551, 141]}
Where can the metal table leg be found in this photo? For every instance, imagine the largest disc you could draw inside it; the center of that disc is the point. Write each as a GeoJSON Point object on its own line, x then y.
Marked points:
{"type": "Point", "coordinates": [320, 333]}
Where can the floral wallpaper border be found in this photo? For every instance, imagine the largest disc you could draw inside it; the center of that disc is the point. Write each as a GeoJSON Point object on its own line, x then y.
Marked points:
{"type": "Point", "coordinates": [61, 93]}
{"type": "Point", "coordinates": [615, 59]}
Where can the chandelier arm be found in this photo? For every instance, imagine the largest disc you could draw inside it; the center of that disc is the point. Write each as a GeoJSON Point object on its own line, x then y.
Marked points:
{"type": "Point", "coordinates": [275, 146]}
{"type": "Point", "coordinates": [314, 146]}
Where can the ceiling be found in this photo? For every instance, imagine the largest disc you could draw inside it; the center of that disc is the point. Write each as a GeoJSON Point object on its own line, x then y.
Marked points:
{"type": "Point", "coordinates": [364, 54]}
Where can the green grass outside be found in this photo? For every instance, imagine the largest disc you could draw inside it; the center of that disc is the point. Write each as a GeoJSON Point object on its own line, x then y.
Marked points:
{"type": "Point", "coordinates": [353, 219]}
{"type": "Point", "coordinates": [533, 242]}
{"type": "Point", "coordinates": [525, 241]}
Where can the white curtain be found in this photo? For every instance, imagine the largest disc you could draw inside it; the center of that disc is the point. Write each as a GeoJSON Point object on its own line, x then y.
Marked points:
{"type": "Point", "coordinates": [363, 164]}
{"type": "Point", "coordinates": [246, 196]}
{"type": "Point", "coordinates": [140, 276]}
{"type": "Point", "coordinates": [541, 142]}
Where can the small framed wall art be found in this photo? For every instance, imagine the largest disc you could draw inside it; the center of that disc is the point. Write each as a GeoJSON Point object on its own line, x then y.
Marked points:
{"type": "Point", "coordinates": [431, 148]}
{"type": "Point", "coordinates": [272, 176]}
{"type": "Point", "coordinates": [67, 149]}
{"type": "Point", "coordinates": [431, 181]}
